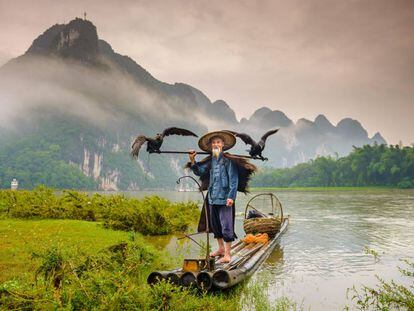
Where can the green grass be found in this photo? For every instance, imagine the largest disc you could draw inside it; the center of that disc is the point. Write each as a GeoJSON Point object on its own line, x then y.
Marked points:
{"type": "Point", "coordinates": [19, 239]}
{"type": "Point", "coordinates": [76, 269]}
{"type": "Point", "coordinates": [58, 252]}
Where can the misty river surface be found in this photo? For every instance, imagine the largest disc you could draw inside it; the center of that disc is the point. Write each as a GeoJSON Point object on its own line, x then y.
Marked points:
{"type": "Point", "coordinates": [323, 251]}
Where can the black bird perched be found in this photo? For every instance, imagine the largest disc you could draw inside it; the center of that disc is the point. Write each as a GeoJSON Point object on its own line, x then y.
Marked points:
{"type": "Point", "coordinates": [154, 144]}
{"type": "Point", "coordinates": [257, 148]}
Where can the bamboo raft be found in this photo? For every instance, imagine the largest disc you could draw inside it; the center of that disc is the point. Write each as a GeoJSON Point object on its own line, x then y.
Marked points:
{"type": "Point", "coordinates": [246, 259]}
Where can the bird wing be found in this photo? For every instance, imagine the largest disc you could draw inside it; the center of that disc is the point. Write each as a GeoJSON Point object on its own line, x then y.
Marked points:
{"type": "Point", "coordinates": [266, 135]}
{"type": "Point", "coordinates": [136, 146]}
{"type": "Point", "coordinates": [177, 131]}
{"type": "Point", "coordinates": [246, 138]}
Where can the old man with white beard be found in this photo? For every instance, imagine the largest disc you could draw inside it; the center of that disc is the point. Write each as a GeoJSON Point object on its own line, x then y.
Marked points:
{"type": "Point", "coordinates": [222, 174]}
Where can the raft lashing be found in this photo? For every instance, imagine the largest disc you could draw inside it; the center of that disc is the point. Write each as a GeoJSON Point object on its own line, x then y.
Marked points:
{"type": "Point", "coordinates": [246, 258]}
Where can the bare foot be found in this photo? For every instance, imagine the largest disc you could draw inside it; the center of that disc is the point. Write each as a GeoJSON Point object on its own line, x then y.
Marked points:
{"type": "Point", "coordinates": [225, 259]}
{"type": "Point", "coordinates": [218, 252]}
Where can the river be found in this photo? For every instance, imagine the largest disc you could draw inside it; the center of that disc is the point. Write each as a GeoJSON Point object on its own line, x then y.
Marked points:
{"type": "Point", "coordinates": [323, 251]}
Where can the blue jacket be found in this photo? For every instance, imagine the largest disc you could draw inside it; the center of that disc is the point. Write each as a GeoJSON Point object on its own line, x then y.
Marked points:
{"type": "Point", "coordinates": [224, 179]}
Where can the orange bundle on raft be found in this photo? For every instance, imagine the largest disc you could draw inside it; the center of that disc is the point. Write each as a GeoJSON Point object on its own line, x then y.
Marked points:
{"type": "Point", "coordinates": [258, 238]}
{"type": "Point", "coordinates": [249, 238]}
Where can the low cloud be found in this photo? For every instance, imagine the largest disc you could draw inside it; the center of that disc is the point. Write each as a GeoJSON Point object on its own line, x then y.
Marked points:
{"type": "Point", "coordinates": [103, 96]}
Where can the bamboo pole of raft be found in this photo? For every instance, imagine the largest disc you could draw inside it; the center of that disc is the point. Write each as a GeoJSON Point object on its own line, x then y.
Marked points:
{"type": "Point", "coordinates": [202, 152]}
{"type": "Point", "coordinates": [223, 278]}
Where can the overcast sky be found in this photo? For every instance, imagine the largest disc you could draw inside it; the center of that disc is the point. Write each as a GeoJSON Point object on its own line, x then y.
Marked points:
{"type": "Point", "coordinates": [340, 58]}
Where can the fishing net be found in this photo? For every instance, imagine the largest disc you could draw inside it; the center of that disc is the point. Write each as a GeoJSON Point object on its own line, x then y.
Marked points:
{"type": "Point", "coordinates": [258, 238]}
{"type": "Point", "coordinates": [263, 214]}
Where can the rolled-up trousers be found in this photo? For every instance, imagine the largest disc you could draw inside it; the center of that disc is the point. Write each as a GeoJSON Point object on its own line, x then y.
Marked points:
{"type": "Point", "coordinates": [222, 222]}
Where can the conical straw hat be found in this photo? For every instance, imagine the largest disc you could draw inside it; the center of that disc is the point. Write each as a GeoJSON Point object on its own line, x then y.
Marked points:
{"type": "Point", "coordinates": [228, 138]}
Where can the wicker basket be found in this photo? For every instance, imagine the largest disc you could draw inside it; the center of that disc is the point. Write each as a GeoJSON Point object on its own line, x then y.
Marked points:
{"type": "Point", "coordinates": [270, 225]}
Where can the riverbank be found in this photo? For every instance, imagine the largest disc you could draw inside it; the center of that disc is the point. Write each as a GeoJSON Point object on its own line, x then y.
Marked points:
{"type": "Point", "coordinates": [151, 215]}
{"type": "Point", "coordinates": [73, 264]}
{"type": "Point", "coordinates": [20, 239]}
{"type": "Point", "coordinates": [376, 165]}
{"type": "Point", "coordinates": [73, 250]}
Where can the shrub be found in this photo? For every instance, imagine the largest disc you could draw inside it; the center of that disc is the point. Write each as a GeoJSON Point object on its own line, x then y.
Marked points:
{"type": "Point", "coordinates": [386, 295]}
{"type": "Point", "coordinates": [150, 215]}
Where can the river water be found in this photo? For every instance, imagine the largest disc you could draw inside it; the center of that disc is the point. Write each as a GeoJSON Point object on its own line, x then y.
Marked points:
{"type": "Point", "coordinates": [323, 251]}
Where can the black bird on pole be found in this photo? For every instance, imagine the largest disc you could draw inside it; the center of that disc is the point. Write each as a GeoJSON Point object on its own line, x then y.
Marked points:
{"type": "Point", "coordinates": [154, 144]}
{"type": "Point", "coordinates": [256, 148]}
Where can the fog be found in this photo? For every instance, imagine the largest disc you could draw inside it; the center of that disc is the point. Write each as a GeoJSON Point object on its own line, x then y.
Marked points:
{"type": "Point", "coordinates": [101, 95]}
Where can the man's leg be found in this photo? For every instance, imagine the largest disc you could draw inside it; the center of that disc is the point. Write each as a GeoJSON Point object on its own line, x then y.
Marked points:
{"type": "Point", "coordinates": [227, 225]}
{"type": "Point", "coordinates": [227, 250]}
{"type": "Point", "coordinates": [216, 229]}
{"type": "Point", "coordinates": [221, 248]}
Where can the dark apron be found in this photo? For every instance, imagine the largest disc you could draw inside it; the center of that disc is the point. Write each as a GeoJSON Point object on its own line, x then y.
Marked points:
{"type": "Point", "coordinates": [202, 224]}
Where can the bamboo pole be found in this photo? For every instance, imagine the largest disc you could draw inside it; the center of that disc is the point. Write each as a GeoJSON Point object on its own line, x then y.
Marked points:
{"type": "Point", "coordinates": [180, 152]}
{"type": "Point", "coordinates": [202, 152]}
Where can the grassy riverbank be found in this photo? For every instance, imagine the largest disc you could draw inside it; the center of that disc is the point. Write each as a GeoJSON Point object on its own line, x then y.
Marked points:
{"type": "Point", "coordinates": [75, 251]}
{"type": "Point", "coordinates": [19, 239]}
{"type": "Point", "coordinates": [150, 215]}
{"type": "Point", "coordinates": [72, 264]}
{"type": "Point", "coordinates": [376, 165]}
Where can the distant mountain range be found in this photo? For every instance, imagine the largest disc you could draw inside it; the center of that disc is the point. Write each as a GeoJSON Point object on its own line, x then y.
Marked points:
{"type": "Point", "coordinates": [72, 97]}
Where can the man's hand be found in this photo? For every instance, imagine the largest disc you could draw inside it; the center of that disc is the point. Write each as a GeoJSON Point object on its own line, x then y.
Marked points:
{"type": "Point", "coordinates": [229, 202]}
{"type": "Point", "coordinates": [191, 155]}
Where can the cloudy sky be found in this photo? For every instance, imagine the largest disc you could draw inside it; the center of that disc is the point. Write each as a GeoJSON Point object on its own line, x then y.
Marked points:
{"type": "Point", "coordinates": [351, 58]}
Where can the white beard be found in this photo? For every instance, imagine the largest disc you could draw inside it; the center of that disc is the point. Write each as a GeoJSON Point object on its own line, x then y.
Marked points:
{"type": "Point", "coordinates": [216, 152]}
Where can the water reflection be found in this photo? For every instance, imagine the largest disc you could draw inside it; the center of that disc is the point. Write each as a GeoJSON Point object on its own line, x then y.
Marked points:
{"type": "Point", "coordinates": [161, 241]}
{"type": "Point", "coordinates": [274, 264]}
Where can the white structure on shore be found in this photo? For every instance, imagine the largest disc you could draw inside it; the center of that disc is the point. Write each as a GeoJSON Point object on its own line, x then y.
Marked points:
{"type": "Point", "coordinates": [14, 184]}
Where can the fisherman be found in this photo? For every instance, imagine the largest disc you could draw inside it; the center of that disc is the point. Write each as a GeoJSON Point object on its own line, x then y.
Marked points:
{"type": "Point", "coordinates": [223, 175]}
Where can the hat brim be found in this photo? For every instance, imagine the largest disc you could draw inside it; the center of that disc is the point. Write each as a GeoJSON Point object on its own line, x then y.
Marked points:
{"type": "Point", "coordinates": [228, 138]}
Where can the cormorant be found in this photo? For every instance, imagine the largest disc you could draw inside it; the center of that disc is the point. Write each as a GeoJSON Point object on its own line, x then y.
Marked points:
{"type": "Point", "coordinates": [154, 144]}
{"type": "Point", "coordinates": [257, 148]}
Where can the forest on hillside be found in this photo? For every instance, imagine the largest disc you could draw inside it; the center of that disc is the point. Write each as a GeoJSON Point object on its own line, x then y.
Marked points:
{"type": "Point", "coordinates": [369, 165]}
